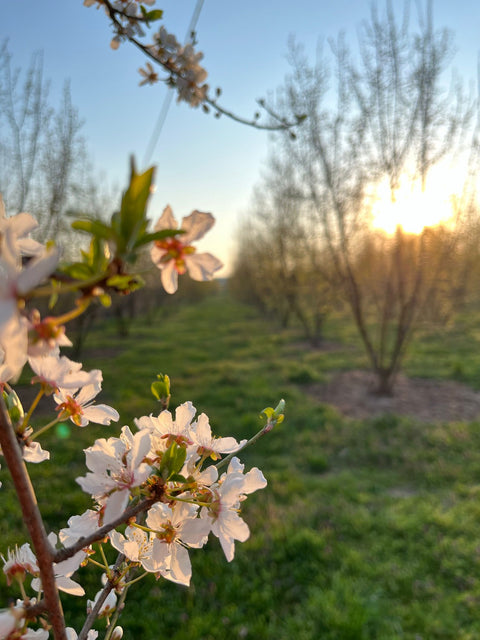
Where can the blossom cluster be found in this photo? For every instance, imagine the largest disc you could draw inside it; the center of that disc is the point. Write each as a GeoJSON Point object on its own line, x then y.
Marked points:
{"type": "Point", "coordinates": [159, 489]}
{"type": "Point", "coordinates": [165, 461]}
{"type": "Point", "coordinates": [182, 62]}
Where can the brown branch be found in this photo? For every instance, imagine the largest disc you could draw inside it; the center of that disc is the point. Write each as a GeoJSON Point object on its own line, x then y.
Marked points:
{"type": "Point", "coordinates": [281, 123]}
{"type": "Point", "coordinates": [99, 534]}
{"type": "Point", "coordinates": [33, 520]}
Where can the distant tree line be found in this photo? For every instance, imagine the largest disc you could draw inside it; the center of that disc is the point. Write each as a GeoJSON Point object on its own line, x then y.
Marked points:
{"type": "Point", "coordinates": [389, 113]}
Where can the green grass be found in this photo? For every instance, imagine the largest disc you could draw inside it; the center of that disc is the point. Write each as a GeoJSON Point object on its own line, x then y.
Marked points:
{"type": "Point", "coordinates": [367, 529]}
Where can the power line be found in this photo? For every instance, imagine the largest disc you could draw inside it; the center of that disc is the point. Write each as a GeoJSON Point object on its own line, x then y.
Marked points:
{"type": "Point", "coordinates": [162, 116]}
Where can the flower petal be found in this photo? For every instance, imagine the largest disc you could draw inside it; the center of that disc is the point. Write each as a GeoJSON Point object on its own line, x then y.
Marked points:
{"type": "Point", "coordinates": [202, 266]}
{"type": "Point", "coordinates": [166, 220]}
{"type": "Point", "coordinates": [100, 414]}
{"type": "Point", "coordinates": [196, 226]}
{"type": "Point", "coordinates": [170, 277]}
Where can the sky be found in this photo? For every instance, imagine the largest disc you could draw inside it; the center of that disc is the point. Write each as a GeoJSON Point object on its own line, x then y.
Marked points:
{"type": "Point", "coordinates": [202, 162]}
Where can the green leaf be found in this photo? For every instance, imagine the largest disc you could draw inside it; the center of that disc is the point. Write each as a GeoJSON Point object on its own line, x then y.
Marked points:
{"type": "Point", "coordinates": [158, 235]}
{"type": "Point", "coordinates": [78, 271]}
{"type": "Point", "coordinates": [95, 228]}
{"type": "Point", "coordinates": [131, 221]}
{"type": "Point", "coordinates": [161, 388]}
{"type": "Point", "coordinates": [172, 460]}
{"type": "Point", "coordinates": [105, 300]}
{"type": "Point", "coordinates": [52, 301]}
{"type": "Point", "coordinates": [269, 412]}
{"type": "Point", "coordinates": [153, 15]}
{"type": "Point", "coordinates": [176, 477]}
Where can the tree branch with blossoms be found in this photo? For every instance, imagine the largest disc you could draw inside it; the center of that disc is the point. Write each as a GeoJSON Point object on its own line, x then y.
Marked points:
{"type": "Point", "coordinates": [161, 478]}
{"type": "Point", "coordinates": [129, 18]}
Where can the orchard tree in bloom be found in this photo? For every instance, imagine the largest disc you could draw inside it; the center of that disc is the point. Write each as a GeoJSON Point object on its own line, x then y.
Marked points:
{"type": "Point", "coordinates": [167, 476]}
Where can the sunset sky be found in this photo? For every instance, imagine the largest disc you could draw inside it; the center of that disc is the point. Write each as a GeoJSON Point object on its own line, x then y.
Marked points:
{"type": "Point", "coordinates": [203, 163]}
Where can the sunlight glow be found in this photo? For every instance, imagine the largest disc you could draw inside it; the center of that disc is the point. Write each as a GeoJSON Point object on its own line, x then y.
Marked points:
{"type": "Point", "coordinates": [412, 208]}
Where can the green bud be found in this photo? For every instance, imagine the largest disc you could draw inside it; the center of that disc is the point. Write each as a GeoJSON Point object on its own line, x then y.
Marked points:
{"type": "Point", "coordinates": [161, 389]}
{"type": "Point", "coordinates": [274, 416]}
{"type": "Point", "coordinates": [14, 407]}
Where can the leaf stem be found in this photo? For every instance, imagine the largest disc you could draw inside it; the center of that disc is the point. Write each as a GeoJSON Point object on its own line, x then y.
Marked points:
{"type": "Point", "coordinates": [34, 404]}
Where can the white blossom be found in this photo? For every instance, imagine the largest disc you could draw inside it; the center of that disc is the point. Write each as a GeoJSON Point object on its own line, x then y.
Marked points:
{"type": "Point", "coordinates": [116, 466]}
{"type": "Point", "coordinates": [175, 528]}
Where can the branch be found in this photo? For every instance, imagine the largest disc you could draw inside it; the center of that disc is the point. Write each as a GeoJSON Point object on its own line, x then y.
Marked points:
{"type": "Point", "coordinates": [33, 520]}
{"type": "Point", "coordinates": [281, 123]}
{"type": "Point", "coordinates": [99, 534]}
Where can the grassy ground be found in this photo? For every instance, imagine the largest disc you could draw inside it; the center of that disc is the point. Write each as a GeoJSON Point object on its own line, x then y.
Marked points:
{"type": "Point", "coordinates": [368, 530]}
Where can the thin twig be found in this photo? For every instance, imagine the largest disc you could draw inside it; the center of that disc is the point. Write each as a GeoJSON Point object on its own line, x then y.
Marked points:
{"type": "Point", "coordinates": [93, 615]}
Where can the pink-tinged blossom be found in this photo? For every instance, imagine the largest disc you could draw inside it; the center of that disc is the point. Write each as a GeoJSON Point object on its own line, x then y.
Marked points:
{"type": "Point", "coordinates": [176, 255]}
{"type": "Point", "coordinates": [174, 529]}
{"type": "Point", "coordinates": [12, 624]}
{"type": "Point", "coordinates": [116, 466]}
{"type": "Point", "coordinates": [45, 335]}
{"type": "Point", "coordinates": [10, 620]}
{"type": "Point", "coordinates": [18, 279]}
{"type": "Point", "coordinates": [19, 226]}
{"type": "Point", "coordinates": [19, 562]}
{"type": "Point", "coordinates": [208, 445]}
{"type": "Point", "coordinates": [77, 404]}
{"type": "Point", "coordinates": [13, 347]}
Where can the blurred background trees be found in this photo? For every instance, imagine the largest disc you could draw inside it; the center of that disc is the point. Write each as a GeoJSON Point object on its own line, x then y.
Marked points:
{"type": "Point", "coordinates": [386, 116]}
{"type": "Point", "coordinates": [44, 163]}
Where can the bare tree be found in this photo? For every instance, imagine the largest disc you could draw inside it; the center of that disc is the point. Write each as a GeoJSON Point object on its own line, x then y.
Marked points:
{"type": "Point", "coordinates": [277, 255]}
{"type": "Point", "coordinates": [387, 114]}
{"type": "Point", "coordinates": [44, 165]}
{"type": "Point", "coordinates": [24, 111]}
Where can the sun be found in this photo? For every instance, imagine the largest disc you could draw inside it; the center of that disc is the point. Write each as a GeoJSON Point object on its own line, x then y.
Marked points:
{"type": "Point", "coordinates": [413, 208]}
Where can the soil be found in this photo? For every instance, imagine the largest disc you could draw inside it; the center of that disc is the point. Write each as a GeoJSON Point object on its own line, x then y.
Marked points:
{"type": "Point", "coordinates": [352, 393]}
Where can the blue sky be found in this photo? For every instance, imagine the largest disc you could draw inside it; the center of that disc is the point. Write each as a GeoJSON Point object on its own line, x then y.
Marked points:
{"type": "Point", "coordinates": [202, 163]}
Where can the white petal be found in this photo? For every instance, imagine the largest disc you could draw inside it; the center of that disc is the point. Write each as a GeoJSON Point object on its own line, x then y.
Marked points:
{"type": "Point", "coordinates": [101, 414]}
{"type": "Point", "coordinates": [166, 220]}
{"type": "Point", "coordinates": [22, 224]}
{"type": "Point", "coordinates": [196, 226]}
{"type": "Point", "coordinates": [156, 255]}
{"type": "Point", "coordinates": [202, 266]}
{"type": "Point", "coordinates": [33, 452]}
{"type": "Point", "coordinates": [115, 505]}
{"type": "Point", "coordinates": [69, 586]}
{"type": "Point", "coordinates": [180, 568]}
{"type": "Point", "coordinates": [169, 277]}
{"type": "Point", "coordinates": [184, 414]}
{"type": "Point", "coordinates": [37, 270]}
